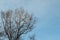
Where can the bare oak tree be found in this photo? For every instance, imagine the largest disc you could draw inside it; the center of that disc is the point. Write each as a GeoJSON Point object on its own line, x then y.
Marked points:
{"type": "Point", "coordinates": [17, 23]}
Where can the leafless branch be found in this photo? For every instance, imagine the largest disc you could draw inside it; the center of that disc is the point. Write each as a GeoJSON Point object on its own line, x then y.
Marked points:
{"type": "Point", "coordinates": [17, 23]}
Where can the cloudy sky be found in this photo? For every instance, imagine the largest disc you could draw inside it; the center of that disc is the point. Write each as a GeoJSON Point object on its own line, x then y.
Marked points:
{"type": "Point", "coordinates": [47, 12]}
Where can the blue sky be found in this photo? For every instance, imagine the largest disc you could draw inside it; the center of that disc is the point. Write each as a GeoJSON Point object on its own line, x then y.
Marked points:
{"type": "Point", "coordinates": [47, 12]}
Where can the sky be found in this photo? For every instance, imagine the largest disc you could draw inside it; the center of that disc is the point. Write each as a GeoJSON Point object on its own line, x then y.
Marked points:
{"type": "Point", "coordinates": [47, 13]}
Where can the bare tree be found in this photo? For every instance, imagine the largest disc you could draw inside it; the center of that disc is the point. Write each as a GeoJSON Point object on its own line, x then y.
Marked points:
{"type": "Point", "coordinates": [17, 23]}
